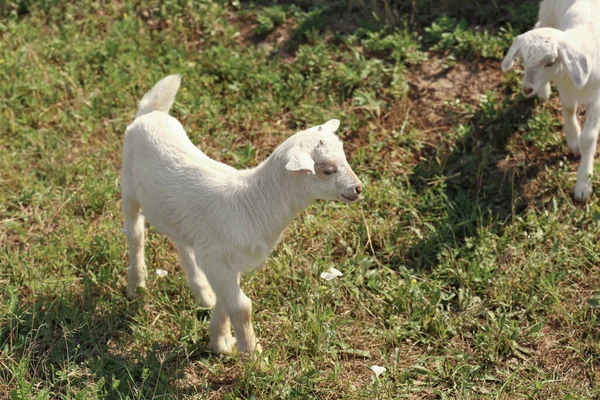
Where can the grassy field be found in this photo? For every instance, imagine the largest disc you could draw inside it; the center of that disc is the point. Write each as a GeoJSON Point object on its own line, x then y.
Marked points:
{"type": "Point", "coordinates": [469, 272]}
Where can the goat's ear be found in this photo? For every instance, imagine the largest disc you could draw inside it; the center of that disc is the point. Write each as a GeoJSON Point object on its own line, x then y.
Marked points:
{"type": "Point", "coordinates": [576, 62]}
{"type": "Point", "coordinates": [300, 163]}
{"type": "Point", "coordinates": [332, 125]}
{"type": "Point", "coordinates": [512, 52]}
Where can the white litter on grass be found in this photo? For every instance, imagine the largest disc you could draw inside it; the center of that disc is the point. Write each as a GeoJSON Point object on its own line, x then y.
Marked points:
{"type": "Point", "coordinates": [161, 272]}
{"type": "Point", "coordinates": [378, 370]}
{"type": "Point", "coordinates": [331, 274]}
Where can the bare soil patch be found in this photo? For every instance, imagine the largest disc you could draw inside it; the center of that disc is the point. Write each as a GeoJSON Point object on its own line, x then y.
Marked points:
{"type": "Point", "coordinates": [278, 37]}
{"type": "Point", "coordinates": [434, 85]}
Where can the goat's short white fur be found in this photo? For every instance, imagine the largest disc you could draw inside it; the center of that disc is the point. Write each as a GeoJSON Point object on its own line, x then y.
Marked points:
{"type": "Point", "coordinates": [564, 48]}
{"type": "Point", "coordinates": [223, 221]}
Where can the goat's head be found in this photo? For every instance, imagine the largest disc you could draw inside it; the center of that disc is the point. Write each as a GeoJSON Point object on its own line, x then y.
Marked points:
{"type": "Point", "coordinates": [317, 155]}
{"type": "Point", "coordinates": [546, 53]}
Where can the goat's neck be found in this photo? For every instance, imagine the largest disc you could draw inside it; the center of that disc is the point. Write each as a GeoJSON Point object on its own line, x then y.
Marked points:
{"type": "Point", "coordinates": [275, 198]}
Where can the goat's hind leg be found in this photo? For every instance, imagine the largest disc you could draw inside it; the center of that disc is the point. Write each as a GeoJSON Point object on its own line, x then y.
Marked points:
{"type": "Point", "coordinates": [134, 229]}
{"type": "Point", "coordinates": [201, 290]}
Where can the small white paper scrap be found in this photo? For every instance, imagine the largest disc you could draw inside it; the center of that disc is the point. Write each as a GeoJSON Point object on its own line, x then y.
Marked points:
{"type": "Point", "coordinates": [161, 272]}
{"type": "Point", "coordinates": [378, 370]}
{"type": "Point", "coordinates": [331, 274]}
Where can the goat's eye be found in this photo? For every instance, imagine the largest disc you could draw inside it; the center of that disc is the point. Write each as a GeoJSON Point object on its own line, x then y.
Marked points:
{"type": "Point", "coordinates": [549, 64]}
{"type": "Point", "coordinates": [330, 171]}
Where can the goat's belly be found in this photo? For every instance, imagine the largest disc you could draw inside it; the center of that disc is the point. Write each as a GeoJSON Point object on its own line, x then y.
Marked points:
{"type": "Point", "coordinates": [248, 258]}
{"type": "Point", "coordinates": [163, 229]}
{"type": "Point", "coordinates": [161, 224]}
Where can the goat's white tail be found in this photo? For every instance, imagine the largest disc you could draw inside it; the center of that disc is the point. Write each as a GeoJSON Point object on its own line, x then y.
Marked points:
{"type": "Point", "coordinates": [161, 97]}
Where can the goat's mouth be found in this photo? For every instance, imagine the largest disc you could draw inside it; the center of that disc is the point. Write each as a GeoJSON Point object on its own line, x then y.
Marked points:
{"type": "Point", "coordinates": [350, 199]}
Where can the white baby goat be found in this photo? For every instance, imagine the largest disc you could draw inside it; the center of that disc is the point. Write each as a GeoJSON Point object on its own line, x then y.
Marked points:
{"type": "Point", "coordinates": [564, 48]}
{"type": "Point", "coordinates": [223, 221]}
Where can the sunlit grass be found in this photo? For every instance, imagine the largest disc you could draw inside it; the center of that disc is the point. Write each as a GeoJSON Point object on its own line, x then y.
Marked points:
{"type": "Point", "coordinates": [468, 270]}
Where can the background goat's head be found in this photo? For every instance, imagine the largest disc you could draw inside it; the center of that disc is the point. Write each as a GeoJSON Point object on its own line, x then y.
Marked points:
{"type": "Point", "coordinates": [547, 53]}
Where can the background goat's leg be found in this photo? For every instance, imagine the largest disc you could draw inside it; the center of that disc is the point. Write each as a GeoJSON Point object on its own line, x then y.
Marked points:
{"type": "Point", "coordinates": [572, 128]}
{"type": "Point", "coordinates": [587, 145]}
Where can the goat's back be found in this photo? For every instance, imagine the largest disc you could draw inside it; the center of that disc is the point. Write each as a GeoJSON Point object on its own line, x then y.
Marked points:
{"type": "Point", "coordinates": [567, 14]}
{"type": "Point", "coordinates": [160, 165]}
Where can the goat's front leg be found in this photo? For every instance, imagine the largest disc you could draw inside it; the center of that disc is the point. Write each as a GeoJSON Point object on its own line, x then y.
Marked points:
{"type": "Point", "coordinates": [572, 128]}
{"type": "Point", "coordinates": [219, 332]}
{"type": "Point", "coordinates": [232, 305]}
{"type": "Point", "coordinates": [587, 145]}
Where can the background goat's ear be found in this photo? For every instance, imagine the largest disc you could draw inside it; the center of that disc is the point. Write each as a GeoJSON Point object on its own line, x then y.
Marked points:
{"type": "Point", "coordinates": [300, 163]}
{"type": "Point", "coordinates": [512, 52]}
{"type": "Point", "coordinates": [576, 62]}
{"type": "Point", "coordinates": [331, 126]}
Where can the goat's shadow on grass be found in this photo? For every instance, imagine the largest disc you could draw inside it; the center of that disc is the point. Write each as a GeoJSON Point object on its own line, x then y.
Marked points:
{"type": "Point", "coordinates": [57, 332]}
{"type": "Point", "coordinates": [468, 183]}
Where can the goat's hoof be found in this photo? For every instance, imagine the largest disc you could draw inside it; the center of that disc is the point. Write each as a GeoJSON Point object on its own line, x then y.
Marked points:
{"type": "Point", "coordinates": [253, 354]}
{"type": "Point", "coordinates": [133, 292]}
{"type": "Point", "coordinates": [255, 349]}
{"type": "Point", "coordinates": [223, 345]}
{"type": "Point", "coordinates": [207, 301]}
{"type": "Point", "coordinates": [574, 149]}
{"type": "Point", "coordinates": [582, 192]}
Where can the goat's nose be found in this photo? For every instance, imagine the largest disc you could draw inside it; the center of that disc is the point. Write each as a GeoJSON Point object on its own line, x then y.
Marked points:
{"type": "Point", "coordinates": [527, 91]}
{"type": "Point", "coordinates": [358, 188]}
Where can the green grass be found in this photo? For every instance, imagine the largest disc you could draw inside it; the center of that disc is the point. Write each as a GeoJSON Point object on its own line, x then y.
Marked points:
{"type": "Point", "coordinates": [468, 270]}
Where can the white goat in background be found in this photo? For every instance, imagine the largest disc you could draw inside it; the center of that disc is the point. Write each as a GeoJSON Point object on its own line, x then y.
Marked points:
{"type": "Point", "coordinates": [223, 221]}
{"type": "Point", "coordinates": [564, 48]}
